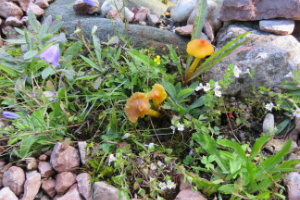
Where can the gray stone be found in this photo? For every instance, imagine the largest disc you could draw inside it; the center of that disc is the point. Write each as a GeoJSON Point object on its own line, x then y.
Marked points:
{"type": "Point", "coordinates": [35, 9]}
{"type": "Point", "coordinates": [7, 194]}
{"type": "Point", "coordinates": [213, 10]}
{"type": "Point", "coordinates": [271, 56]}
{"type": "Point", "coordinates": [13, 21]}
{"type": "Point", "coordinates": [293, 184]}
{"type": "Point", "coordinates": [64, 181]}
{"type": "Point", "coordinates": [84, 185]}
{"type": "Point", "coordinates": [268, 124]}
{"type": "Point", "coordinates": [152, 19]}
{"type": "Point", "coordinates": [82, 151]}
{"type": "Point", "coordinates": [141, 36]}
{"type": "Point", "coordinates": [182, 10]}
{"type": "Point", "coordinates": [103, 191]}
{"type": "Point", "coordinates": [246, 10]}
{"type": "Point", "coordinates": [280, 27]}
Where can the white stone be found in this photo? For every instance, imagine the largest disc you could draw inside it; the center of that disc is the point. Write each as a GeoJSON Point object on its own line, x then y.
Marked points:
{"type": "Point", "coordinates": [182, 9]}
{"type": "Point", "coordinates": [128, 14]}
{"type": "Point", "coordinates": [111, 4]}
{"type": "Point", "coordinates": [268, 124]}
{"type": "Point", "coordinates": [7, 194]}
{"type": "Point", "coordinates": [280, 27]}
{"type": "Point", "coordinates": [82, 151]}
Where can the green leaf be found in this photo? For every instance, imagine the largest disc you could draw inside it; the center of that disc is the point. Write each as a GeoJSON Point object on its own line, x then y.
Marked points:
{"type": "Point", "coordinates": [175, 59]}
{"type": "Point", "coordinates": [90, 63]}
{"type": "Point", "coordinates": [47, 72]}
{"type": "Point", "coordinates": [282, 126]}
{"type": "Point", "coordinates": [74, 49]}
{"type": "Point", "coordinates": [170, 89]}
{"type": "Point", "coordinates": [33, 23]}
{"type": "Point", "coordinates": [259, 143]}
{"type": "Point", "coordinates": [98, 50]}
{"type": "Point", "coordinates": [198, 103]}
{"type": "Point", "coordinates": [234, 145]}
{"type": "Point", "coordinates": [30, 54]}
{"type": "Point", "coordinates": [184, 93]}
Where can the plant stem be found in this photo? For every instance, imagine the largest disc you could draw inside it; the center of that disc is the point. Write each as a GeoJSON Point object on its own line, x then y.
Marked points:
{"type": "Point", "coordinates": [192, 69]}
{"type": "Point", "coordinates": [153, 113]}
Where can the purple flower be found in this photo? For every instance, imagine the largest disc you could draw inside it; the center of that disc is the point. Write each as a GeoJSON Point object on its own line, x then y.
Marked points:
{"type": "Point", "coordinates": [51, 55]}
{"type": "Point", "coordinates": [90, 2]}
{"type": "Point", "coordinates": [9, 115]}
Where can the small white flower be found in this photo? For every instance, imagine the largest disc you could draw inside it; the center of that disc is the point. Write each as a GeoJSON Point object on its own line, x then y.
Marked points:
{"type": "Point", "coordinates": [297, 112]}
{"type": "Point", "coordinates": [217, 86]}
{"type": "Point", "coordinates": [171, 185]}
{"type": "Point", "coordinates": [206, 87]}
{"type": "Point", "coordinates": [191, 152]}
{"type": "Point", "coordinates": [162, 186]}
{"type": "Point", "coordinates": [111, 158]}
{"type": "Point", "coordinates": [199, 87]}
{"type": "Point", "coordinates": [125, 136]}
{"type": "Point", "coordinates": [236, 71]}
{"type": "Point", "coordinates": [180, 127]}
{"type": "Point", "coordinates": [289, 75]}
{"type": "Point", "coordinates": [173, 129]}
{"type": "Point", "coordinates": [218, 93]}
{"type": "Point", "coordinates": [269, 106]}
{"type": "Point", "coordinates": [151, 145]}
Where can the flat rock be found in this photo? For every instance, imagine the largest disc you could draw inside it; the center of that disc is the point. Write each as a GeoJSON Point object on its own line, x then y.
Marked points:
{"type": "Point", "coordinates": [32, 185]}
{"type": "Point", "coordinates": [72, 194]}
{"type": "Point", "coordinates": [185, 30]}
{"type": "Point", "coordinates": [84, 185]}
{"type": "Point", "coordinates": [7, 194]}
{"type": "Point", "coordinates": [271, 56]}
{"type": "Point", "coordinates": [141, 36]}
{"type": "Point", "coordinates": [280, 27]}
{"type": "Point", "coordinates": [103, 191]}
{"type": "Point", "coordinates": [49, 187]}
{"type": "Point", "coordinates": [10, 9]}
{"type": "Point", "coordinates": [14, 178]}
{"type": "Point", "coordinates": [64, 181]}
{"type": "Point", "coordinates": [64, 157]}
{"type": "Point", "coordinates": [250, 10]}
{"type": "Point", "coordinates": [189, 194]}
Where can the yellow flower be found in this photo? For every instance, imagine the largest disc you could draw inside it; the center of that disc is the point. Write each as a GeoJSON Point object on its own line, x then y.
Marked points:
{"type": "Point", "coordinates": [157, 60]}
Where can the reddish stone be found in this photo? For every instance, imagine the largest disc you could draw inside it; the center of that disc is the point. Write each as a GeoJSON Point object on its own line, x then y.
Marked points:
{"type": "Point", "coordinates": [64, 157]}
{"type": "Point", "coordinates": [32, 185]}
{"type": "Point", "coordinates": [45, 169]}
{"type": "Point", "coordinates": [84, 185]}
{"type": "Point", "coordinates": [35, 9]}
{"type": "Point", "coordinates": [71, 194]}
{"type": "Point", "coordinates": [141, 15]}
{"type": "Point", "coordinates": [14, 178]}
{"type": "Point", "coordinates": [24, 4]}
{"type": "Point", "coordinates": [10, 9]}
{"type": "Point", "coordinates": [7, 194]}
{"type": "Point", "coordinates": [42, 3]}
{"type": "Point", "coordinates": [49, 187]}
{"type": "Point", "coordinates": [189, 195]}
{"type": "Point", "coordinates": [64, 181]}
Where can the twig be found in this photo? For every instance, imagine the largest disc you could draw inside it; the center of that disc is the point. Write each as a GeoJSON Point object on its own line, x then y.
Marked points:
{"type": "Point", "coordinates": [155, 132]}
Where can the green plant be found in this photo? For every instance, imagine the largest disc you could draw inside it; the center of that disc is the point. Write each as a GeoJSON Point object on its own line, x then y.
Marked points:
{"type": "Point", "coordinates": [242, 175]}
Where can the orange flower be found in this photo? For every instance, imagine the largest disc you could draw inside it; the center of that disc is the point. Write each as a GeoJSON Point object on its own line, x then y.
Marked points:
{"type": "Point", "coordinates": [199, 49]}
{"type": "Point", "coordinates": [157, 95]}
{"type": "Point", "coordinates": [138, 106]}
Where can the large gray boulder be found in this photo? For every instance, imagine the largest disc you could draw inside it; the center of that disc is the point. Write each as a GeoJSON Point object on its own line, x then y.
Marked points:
{"type": "Point", "coordinates": [271, 56]}
{"type": "Point", "coordinates": [246, 10]}
{"type": "Point", "coordinates": [141, 36]}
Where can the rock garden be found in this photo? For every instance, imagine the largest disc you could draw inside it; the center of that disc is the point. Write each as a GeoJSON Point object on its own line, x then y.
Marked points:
{"type": "Point", "coordinates": [149, 99]}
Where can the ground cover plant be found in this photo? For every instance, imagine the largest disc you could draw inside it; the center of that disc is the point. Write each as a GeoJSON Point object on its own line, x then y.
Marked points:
{"type": "Point", "coordinates": [147, 118]}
